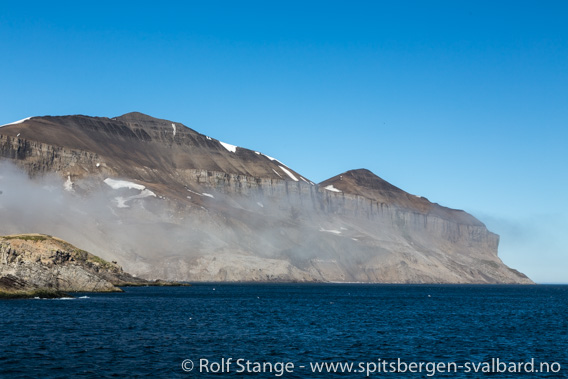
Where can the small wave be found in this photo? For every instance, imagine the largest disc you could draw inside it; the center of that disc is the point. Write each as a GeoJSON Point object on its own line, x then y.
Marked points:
{"type": "Point", "coordinates": [84, 297]}
{"type": "Point", "coordinates": [59, 298]}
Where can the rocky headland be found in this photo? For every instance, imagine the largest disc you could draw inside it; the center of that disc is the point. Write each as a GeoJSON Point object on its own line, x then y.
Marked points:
{"type": "Point", "coordinates": [40, 265]}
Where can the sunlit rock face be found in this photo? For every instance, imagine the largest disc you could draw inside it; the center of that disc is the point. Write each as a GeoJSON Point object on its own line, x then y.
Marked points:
{"type": "Point", "coordinates": [31, 262]}
{"type": "Point", "coordinates": [168, 202]}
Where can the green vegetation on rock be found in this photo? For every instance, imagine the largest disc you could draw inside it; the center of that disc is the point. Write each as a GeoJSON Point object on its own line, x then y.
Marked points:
{"type": "Point", "coordinates": [29, 237]}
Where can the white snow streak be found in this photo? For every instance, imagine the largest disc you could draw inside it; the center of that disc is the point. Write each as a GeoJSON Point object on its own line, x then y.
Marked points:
{"type": "Point", "coordinates": [329, 231]}
{"type": "Point", "coordinates": [276, 173]}
{"type": "Point", "coordinates": [332, 188]}
{"type": "Point", "coordinates": [305, 180]}
{"type": "Point", "coordinates": [16, 122]}
{"type": "Point", "coordinates": [228, 146]}
{"type": "Point", "coordinates": [117, 184]}
{"type": "Point", "coordinates": [260, 204]}
{"type": "Point", "coordinates": [274, 159]}
{"type": "Point", "coordinates": [200, 194]}
{"type": "Point", "coordinates": [283, 169]}
{"type": "Point", "coordinates": [197, 193]}
{"type": "Point", "coordinates": [289, 174]}
{"type": "Point", "coordinates": [174, 126]}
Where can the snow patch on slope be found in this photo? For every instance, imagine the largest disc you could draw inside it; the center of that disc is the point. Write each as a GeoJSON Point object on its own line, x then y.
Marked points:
{"type": "Point", "coordinates": [329, 231]}
{"type": "Point", "coordinates": [273, 159]}
{"type": "Point", "coordinates": [16, 122]}
{"type": "Point", "coordinates": [307, 181]}
{"type": "Point", "coordinates": [118, 184]}
{"type": "Point", "coordinates": [174, 126]}
{"type": "Point", "coordinates": [228, 146]}
{"type": "Point", "coordinates": [197, 193]}
{"type": "Point", "coordinates": [331, 188]}
{"type": "Point", "coordinates": [289, 174]}
{"type": "Point", "coordinates": [292, 176]}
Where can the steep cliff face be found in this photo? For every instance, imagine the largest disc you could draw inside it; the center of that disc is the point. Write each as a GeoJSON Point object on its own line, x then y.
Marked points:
{"type": "Point", "coordinates": [133, 144]}
{"type": "Point", "coordinates": [362, 194]}
{"type": "Point", "coordinates": [34, 262]}
{"type": "Point", "coordinates": [221, 212]}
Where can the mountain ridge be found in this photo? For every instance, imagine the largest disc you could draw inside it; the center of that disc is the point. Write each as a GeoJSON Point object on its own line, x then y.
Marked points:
{"type": "Point", "coordinates": [253, 216]}
{"type": "Point", "coordinates": [152, 141]}
{"type": "Point", "coordinates": [364, 183]}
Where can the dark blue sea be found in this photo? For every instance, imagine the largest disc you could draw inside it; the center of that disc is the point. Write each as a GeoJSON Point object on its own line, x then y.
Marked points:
{"type": "Point", "coordinates": [291, 331]}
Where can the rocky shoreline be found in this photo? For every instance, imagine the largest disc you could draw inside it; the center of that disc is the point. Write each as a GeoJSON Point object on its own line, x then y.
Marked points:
{"type": "Point", "coordinates": [38, 265]}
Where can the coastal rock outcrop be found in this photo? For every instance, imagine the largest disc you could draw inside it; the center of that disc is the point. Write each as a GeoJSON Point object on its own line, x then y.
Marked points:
{"type": "Point", "coordinates": [35, 262]}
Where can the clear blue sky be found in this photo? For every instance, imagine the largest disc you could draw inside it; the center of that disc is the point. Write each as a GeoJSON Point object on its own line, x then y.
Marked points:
{"type": "Point", "coordinates": [463, 102]}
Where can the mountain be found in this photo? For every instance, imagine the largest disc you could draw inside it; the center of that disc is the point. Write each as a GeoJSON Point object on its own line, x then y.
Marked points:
{"type": "Point", "coordinates": [365, 184]}
{"type": "Point", "coordinates": [168, 202]}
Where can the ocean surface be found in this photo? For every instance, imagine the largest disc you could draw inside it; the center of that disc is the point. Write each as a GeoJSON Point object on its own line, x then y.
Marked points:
{"type": "Point", "coordinates": [290, 331]}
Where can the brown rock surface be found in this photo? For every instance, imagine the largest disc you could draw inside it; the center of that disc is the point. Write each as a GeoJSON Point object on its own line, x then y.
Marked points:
{"type": "Point", "coordinates": [31, 262]}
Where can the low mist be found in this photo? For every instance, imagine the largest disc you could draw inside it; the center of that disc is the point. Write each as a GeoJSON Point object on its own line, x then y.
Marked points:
{"type": "Point", "coordinates": [91, 221]}
{"type": "Point", "coordinates": [536, 246]}
{"type": "Point", "coordinates": [152, 229]}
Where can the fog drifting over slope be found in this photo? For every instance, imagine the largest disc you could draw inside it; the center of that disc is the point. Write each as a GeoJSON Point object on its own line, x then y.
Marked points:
{"type": "Point", "coordinates": [254, 237]}
{"type": "Point", "coordinates": [42, 205]}
{"type": "Point", "coordinates": [149, 229]}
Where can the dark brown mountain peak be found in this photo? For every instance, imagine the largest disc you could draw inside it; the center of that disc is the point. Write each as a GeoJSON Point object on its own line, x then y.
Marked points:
{"type": "Point", "coordinates": [135, 117]}
{"type": "Point", "coordinates": [365, 178]}
{"type": "Point", "coordinates": [362, 182]}
{"type": "Point", "coordinates": [139, 147]}
{"type": "Point", "coordinates": [146, 122]}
